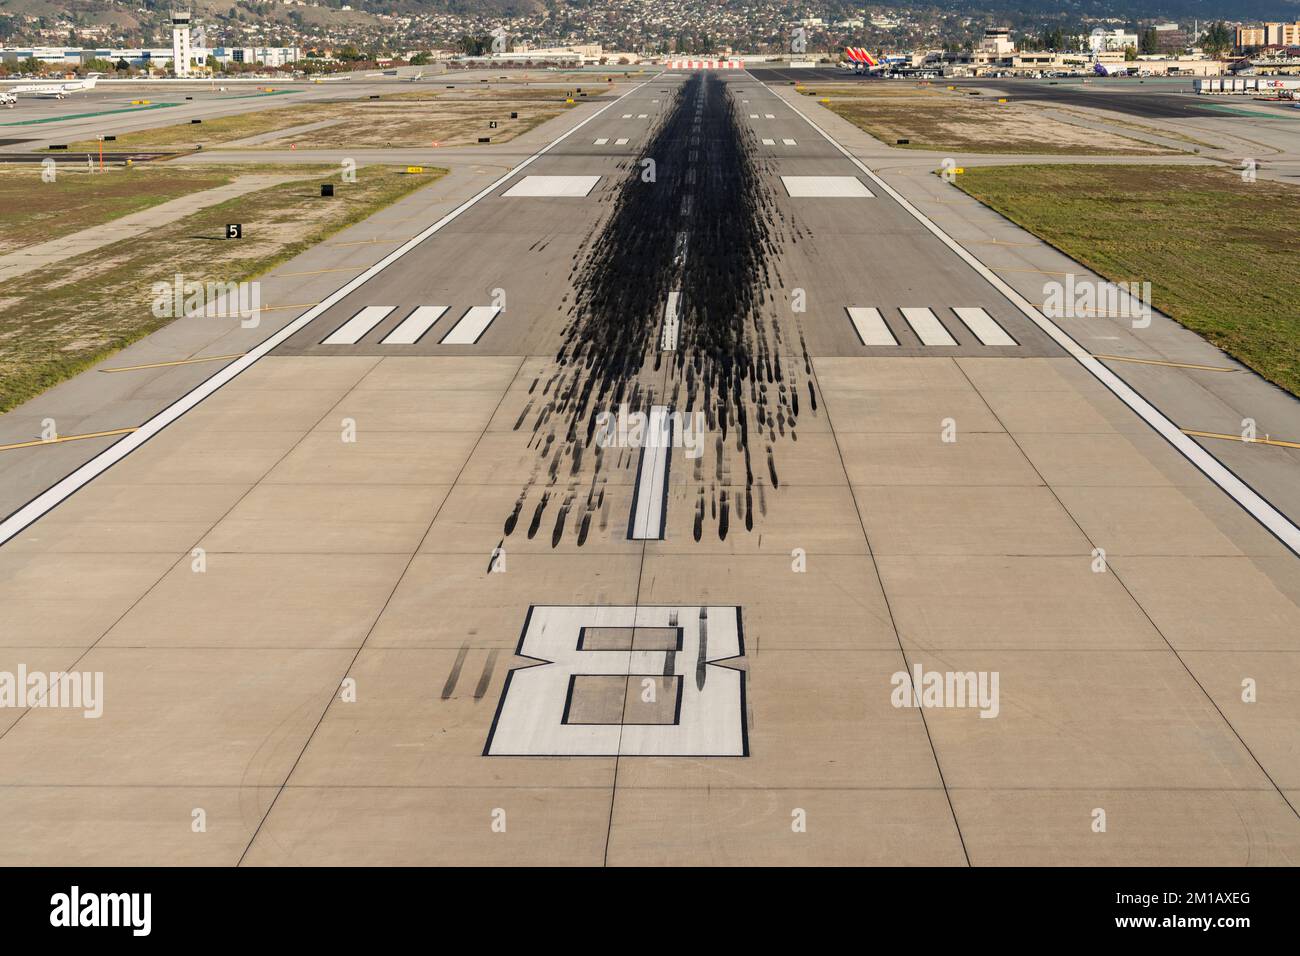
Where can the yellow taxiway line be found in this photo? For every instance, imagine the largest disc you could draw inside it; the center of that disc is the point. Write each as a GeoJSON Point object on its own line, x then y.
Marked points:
{"type": "Point", "coordinates": [1276, 442]}
{"type": "Point", "coordinates": [63, 438]}
{"type": "Point", "coordinates": [1201, 368]}
{"type": "Point", "coordinates": [192, 361]}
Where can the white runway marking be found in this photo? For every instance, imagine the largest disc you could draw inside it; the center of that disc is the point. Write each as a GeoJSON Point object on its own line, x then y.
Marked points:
{"type": "Point", "coordinates": [769, 142]}
{"type": "Point", "coordinates": [651, 499]}
{"type": "Point", "coordinates": [642, 115]}
{"type": "Point", "coordinates": [984, 326]}
{"type": "Point", "coordinates": [350, 332]}
{"type": "Point", "coordinates": [1247, 497]}
{"type": "Point", "coordinates": [621, 141]}
{"type": "Point", "coordinates": [707, 710]}
{"type": "Point", "coordinates": [668, 341]}
{"type": "Point", "coordinates": [571, 187]}
{"type": "Point", "coordinates": [627, 116]}
{"type": "Point", "coordinates": [927, 327]}
{"type": "Point", "coordinates": [602, 141]}
{"type": "Point", "coordinates": [789, 142]}
{"type": "Point", "coordinates": [472, 325]}
{"type": "Point", "coordinates": [753, 116]}
{"type": "Point", "coordinates": [412, 328]}
{"type": "Point", "coordinates": [843, 187]}
{"type": "Point", "coordinates": [870, 326]}
{"type": "Point", "coordinates": [768, 116]}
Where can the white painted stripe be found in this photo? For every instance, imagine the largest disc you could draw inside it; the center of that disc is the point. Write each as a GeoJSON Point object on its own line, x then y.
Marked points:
{"type": "Point", "coordinates": [350, 332]}
{"type": "Point", "coordinates": [669, 340]}
{"type": "Point", "coordinates": [110, 456]}
{"type": "Point", "coordinates": [768, 116]}
{"type": "Point", "coordinates": [927, 327]}
{"type": "Point", "coordinates": [572, 187]}
{"type": "Point", "coordinates": [870, 326]}
{"type": "Point", "coordinates": [472, 325]}
{"type": "Point", "coordinates": [652, 478]}
{"type": "Point", "coordinates": [413, 327]}
{"type": "Point", "coordinates": [602, 141]}
{"type": "Point", "coordinates": [769, 142]}
{"type": "Point", "coordinates": [621, 141]}
{"type": "Point", "coordinates": [1255, 504]}
{"type": "Point", "coordinates": [642, 115]}
{"type": "Point", "coordinates": [753, 116]}
{"type": "Point", "coordinates": [627, 116]}
{"type": "Point", "coordinates": [984, 326]}
{"type": "Point", "coordinates": [789, 142]}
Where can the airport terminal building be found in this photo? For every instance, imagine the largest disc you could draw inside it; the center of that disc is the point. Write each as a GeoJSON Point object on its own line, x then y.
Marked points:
{"type": "Point", "coordinates": [159, 58]}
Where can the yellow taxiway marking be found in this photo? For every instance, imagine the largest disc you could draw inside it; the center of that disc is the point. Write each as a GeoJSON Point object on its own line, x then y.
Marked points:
{"type": "Point", "coordinates": [1200, 368]}
{"type": "Point", "coordinates": [317, 272]}
{"type": "Point", "coordinates": [281, 308]}
{"type": "Point", "coordinates": [191, 361]}
{"type": "Point", "coordinates": [1277, 442]}
{"type": "Point", "coordinates": [63, 438]}
{"type": "Point", "coordinates": [366, 242]}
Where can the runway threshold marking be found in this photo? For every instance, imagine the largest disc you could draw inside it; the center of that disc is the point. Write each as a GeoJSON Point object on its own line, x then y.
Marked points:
{"type": "Point", "coordinates": [189, 361]}
{"type": "Point", "coordinates": [1275, 442]}
{"type": "Point", "coordinates": [650, 501]}
{"type": "Point", "coordinates": [1140, 361]}
{"type": "Point", "coordinates": [870, 326]}
{"type": "Point", "coordinates": [414, 326]}
{"type": "Point", "coordinates": [63, 438]}
{"type": "Point", "coordinates": [472, 325]}
{"type": "Point", "coordinates": [927, 327]}
{"type": "Point", "coordinates": [1255, 504]}
{"type": "Point", "coordinates": [351, 331]}
{"type": "Point", "coordinates": [984, 326]}
{"type": "Point", "coordinates": [88, 471]}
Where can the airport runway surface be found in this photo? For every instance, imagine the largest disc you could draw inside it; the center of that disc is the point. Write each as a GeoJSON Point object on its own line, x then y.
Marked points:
{"type": "Point", "coordinates": [603, 523]}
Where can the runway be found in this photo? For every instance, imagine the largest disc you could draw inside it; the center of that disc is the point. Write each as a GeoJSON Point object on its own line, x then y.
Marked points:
{"type": "Point", "coordinates": [596, 523]}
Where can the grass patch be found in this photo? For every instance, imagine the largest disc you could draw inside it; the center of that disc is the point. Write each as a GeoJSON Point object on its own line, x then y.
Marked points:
{"type": "Point", "coordinates": [413, 118]}
{"type": "Point", "coordinates": [1220, 253]}
{"type": "Point", "coordinates": [33, 211]}
{"type": "Point", "coordinates": [58, 321]}
{"type": "Point", "coordinates": [953, 123]}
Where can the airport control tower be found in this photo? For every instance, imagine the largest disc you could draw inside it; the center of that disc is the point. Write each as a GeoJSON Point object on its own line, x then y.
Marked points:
{"type": "Point", "coordinates": [181, 42]}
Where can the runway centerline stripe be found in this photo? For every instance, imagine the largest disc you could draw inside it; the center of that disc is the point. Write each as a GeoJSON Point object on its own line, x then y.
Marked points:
{"type": "Point", "coordinates": [472, 325]}
{"type": "Point", "coordinates": [984, 326]}
{"type": "Point", "coordinates": [650, 503]}
{"type": "Point", "coordinates": [870, 326]}
{"type": "Point", "coordinates": [1247, 497]}
{"type": "Point", "coordinates": [671, 322]}
{"type": "Point", "coordinates": [23, 516]}
{"type": "Point", "coordinates": [412, 328]}
{"type": "Point", "coordinates": [927, 326]}
{"type": "Point", "coordinates": [351, 331]}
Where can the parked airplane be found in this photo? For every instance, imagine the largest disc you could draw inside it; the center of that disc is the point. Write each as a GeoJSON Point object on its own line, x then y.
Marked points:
{"type": "Point", "coordinates": [57, 90]}
{"type": "Point", "coordinates": [860, 61]}
{"type": "Point", "coordinates": [1110, 69]}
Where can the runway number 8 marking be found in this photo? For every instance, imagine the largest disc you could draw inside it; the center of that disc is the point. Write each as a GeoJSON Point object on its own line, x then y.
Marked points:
{"type": "Point", "coordinates": [625, 680]}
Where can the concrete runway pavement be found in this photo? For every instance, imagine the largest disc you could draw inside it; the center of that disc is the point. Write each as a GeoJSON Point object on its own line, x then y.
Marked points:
{"type": "Point", "coordinates": [306, 629]}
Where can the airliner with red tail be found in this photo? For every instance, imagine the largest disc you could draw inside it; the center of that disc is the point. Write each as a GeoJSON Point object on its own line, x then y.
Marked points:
{"type": "Point", "coordinates": [860, 61]}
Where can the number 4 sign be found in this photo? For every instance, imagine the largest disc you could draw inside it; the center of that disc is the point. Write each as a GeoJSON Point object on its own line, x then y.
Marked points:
{"type": "Point", "coordinates": [625, 681]}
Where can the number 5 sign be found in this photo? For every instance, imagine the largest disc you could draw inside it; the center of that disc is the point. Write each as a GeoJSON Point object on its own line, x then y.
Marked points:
{"type": "Point", "coordinates": [625, 681]}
